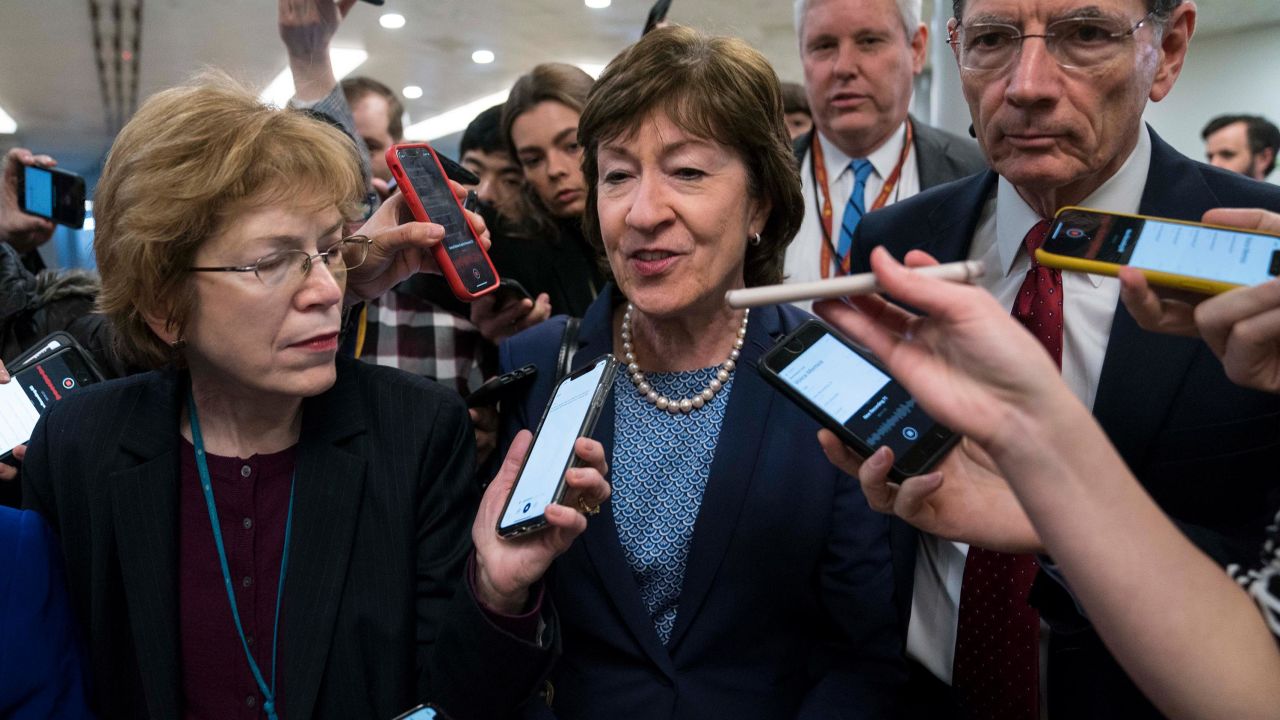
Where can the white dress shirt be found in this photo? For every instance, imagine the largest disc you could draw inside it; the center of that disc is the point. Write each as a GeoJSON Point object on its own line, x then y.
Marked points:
{"type": "Point", "coordinates": [804, 254]}
{"type": "Point", "coordinates": [1089, 306]}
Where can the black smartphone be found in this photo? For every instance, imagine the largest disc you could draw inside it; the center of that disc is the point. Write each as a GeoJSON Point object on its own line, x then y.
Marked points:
{"type": "Point", "coordinates": [497, 388]}
{"type": "Point", "coordinates": [571, 413]}
{"type": "Point", "coordinates": [510, 291]}
{"type": "Point", "coordinates": [51, 193]}
{"type": "Point", "coordinates": [460, 256]}
{"type": "Point", "coordinates": [851, 394]}
{"type": "Point", "coordinates": [1191, 256]}
{"type": "Point", "coordinates": [34, 388]}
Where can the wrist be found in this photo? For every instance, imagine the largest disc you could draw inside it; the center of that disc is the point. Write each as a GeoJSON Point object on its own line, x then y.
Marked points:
{"type": "Point", "coordinates": [494, 597]}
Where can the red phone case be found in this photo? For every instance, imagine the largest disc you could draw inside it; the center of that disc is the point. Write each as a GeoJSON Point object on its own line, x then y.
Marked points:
{"type": "Point", "coordinates": [441, 256]}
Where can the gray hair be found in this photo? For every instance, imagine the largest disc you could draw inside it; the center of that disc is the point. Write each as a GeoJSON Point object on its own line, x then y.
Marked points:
{"type": "Point", "coordinates": [908, 9]}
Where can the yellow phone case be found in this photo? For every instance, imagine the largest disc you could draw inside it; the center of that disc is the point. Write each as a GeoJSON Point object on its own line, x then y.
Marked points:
{"type": "Point", "coordinates": [1155, 277]}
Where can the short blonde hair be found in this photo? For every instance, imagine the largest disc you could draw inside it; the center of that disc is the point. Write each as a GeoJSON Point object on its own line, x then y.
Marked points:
{"type": "Point", "coordinates": [191, 159]}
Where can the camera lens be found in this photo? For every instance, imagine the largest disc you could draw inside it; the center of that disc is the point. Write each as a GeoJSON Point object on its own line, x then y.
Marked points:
{"type": "Point", "coordinates": [795, 346]}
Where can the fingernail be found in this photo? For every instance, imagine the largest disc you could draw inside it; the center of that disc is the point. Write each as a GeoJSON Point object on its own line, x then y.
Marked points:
{"type": "Point", "coordinates": [880, 457]}
{"type": "Point", "coordinates": [933, 478]}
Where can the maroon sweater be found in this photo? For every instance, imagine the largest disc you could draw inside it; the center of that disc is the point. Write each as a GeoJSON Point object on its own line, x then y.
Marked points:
{"type": "Point", "coordinates": [252, 498]}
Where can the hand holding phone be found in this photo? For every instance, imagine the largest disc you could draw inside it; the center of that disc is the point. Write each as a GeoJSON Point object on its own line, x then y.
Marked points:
{"type": "Point", "coordinates": [23, 231]}
{"type": "Point", "coordinates": [1196, 257]}
{"type": "Point", "coordinates": [460, 255]}
{"type": "Point", "coordinates": [571, 413]}
{"type": "Point", "coordinates": [850, 393]}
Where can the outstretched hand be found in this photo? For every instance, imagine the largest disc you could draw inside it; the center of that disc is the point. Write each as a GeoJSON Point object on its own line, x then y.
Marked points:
{"type": "Point", "coordinates": [506, 568]}
{"type": "Point", "coordinates": [24, 232]}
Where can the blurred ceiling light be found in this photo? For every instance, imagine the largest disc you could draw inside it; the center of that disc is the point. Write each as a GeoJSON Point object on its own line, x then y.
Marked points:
{"type": "Point", "coordinates": [457, 119]}
{"type": "Point", "coordinates": [7, 124]}
{"type": "Point", "coordinates": [597, 4]}
{"type": "Point", "coordinates": [413, 92]}
{"type": "Point", "coordinates": [391, 21]}
{"type": "Point", "coordinates": [342, 60]}
{"type": "Point", "coordinates": [482, 57]}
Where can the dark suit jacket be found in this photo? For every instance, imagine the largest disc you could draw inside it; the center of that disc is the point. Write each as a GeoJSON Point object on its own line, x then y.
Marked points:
{"type": "Point", "coordinates": [1205, 449]}
{"type": "Point", "coordinates": [940, 156]}
{"type": "Point", "coordinates": [785, 609]}
{"type": "Point", "coordinates": [374, 620]}
{"type": "Point", "coordinates": [41, 655]}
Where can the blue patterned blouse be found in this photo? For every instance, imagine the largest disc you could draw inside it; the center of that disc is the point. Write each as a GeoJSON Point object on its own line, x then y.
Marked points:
{"type": "Point", "coordinates": [659, 469]}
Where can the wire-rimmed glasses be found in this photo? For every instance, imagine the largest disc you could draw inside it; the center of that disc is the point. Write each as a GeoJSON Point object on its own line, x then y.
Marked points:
{"type": "Point", "coordinates": [1076, 42]}
{"type": "Point", "coordinates": [292, 266]}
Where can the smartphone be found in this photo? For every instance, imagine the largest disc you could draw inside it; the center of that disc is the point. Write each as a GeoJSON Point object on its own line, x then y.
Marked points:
{"type": "Point", "coordinates": [51, 193]}
{"type": "Point", "coordinates": [498, 388]}
{"type": "Point", "coordinates": [34, 388]}
{"type": "Point", "coordinates": [1174, 253]}
{"type": "Point", "coordinates": [575, 405]}
{"type": "Point", "coordinates": [462, 259]}
{"type": "Point", "coordinates": [849, 392]}
{"type": "Point", "coordinates": [510, 291]}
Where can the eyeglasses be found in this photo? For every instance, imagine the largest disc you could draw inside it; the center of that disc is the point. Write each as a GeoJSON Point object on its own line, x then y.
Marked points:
{"type": "Point", "coordinates": [289, 267]}
{"type": "Point", "coordinates": [1081, 42]}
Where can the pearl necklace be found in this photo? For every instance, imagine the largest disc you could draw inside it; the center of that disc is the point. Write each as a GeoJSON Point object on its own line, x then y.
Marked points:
{"type": "Point", "coordinates": [685, 405]}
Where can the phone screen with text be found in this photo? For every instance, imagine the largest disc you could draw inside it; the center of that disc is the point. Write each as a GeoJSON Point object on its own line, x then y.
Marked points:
{"type": "Point", "coordinates": [552, 447]}
{"type": "Point", "coordinates": [25, 398]}
{"type": "Point", "coordinates": [857, 395]}
{"type": "Point", "coordinates": [1228, 256]}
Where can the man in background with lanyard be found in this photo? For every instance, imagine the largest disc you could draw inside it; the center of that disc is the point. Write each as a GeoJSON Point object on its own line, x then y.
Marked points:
{"type": "Point", "coordinates": [860, 57]}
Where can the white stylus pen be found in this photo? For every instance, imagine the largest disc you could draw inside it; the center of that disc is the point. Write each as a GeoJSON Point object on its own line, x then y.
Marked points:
{"type": "Point", "coordinates": [966, 271]}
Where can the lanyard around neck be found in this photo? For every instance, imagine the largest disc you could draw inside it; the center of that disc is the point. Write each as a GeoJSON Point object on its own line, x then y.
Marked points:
{"type": "Point", "coordinates": [818, 169]}
{"type": "Point", "coordinates": [202, 465]}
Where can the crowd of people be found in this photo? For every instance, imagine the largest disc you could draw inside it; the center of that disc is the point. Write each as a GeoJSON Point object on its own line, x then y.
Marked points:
{"type": "Point", "coordinates": [280, 505]}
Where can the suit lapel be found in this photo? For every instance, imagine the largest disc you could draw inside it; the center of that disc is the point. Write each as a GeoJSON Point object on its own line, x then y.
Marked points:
{"type": "Point", "coordinates": [327, 495]}
{"type": "Point", "coordinates": [1175, 189]}
{"type": "Point", "coordinates": [732, 469]}
{"type": "Point", "coordinates": [144, 504]}
{"type": "Point", "coordinates": [600, 541]}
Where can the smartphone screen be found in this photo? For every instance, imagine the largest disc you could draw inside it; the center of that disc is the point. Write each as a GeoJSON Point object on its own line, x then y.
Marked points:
{"type": "Point", "coordinates": [38, 189]}
{"type": "Point", "coordinates": [1229, 256]}
{"type": "Point", "coordinates": [854, 397]}
{"type": "Point", "coordinates": [33, 389]}
{"type": "Point", "coordinates": [567, 418]}
{"type": "Point", "coordinates": [441, 207]}
{"type": "Point", "coordinates": [53, 194]}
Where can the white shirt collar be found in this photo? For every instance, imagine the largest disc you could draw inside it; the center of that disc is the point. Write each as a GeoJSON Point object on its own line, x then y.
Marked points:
{"type": "Point", "coordinates": [883, 159]}
{"type": "Point", "coordinates": [1121, 193]}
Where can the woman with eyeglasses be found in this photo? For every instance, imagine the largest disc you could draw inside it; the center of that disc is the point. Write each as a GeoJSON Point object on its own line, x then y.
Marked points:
{"type": "Point", "coordinates": [256, 528]}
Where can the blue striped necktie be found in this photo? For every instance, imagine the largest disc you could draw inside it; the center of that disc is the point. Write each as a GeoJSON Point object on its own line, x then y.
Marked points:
{"type": "Point", "coordinates": [856, 208]}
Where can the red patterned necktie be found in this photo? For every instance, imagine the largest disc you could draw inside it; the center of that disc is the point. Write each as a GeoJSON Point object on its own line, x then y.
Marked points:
{"type": "Point", "coordinates": [997, 661]}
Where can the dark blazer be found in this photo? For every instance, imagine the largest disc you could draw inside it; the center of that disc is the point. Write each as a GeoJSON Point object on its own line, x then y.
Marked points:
{"type": "Point", "coordinates": [41, 655]}
{"type": "Point", "coordinates": [940, 156]}
{"type": "Point", "coordinates": [374, 621]}
{"type": "Point", "coordinates": [785, 609]}
{"type": "Point", "coordinates": [1206, 450]}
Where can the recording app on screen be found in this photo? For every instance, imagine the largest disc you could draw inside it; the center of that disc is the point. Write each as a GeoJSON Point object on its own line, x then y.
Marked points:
{"type": "Point", "coordinates": [23, 401]}
{"type": "Point", "coordinates": [1228, 256]}
{"type": "Point", "coordinates": [437, 199]}
{"type": "Point", "coordinates": [553, 447]}
{"type": "Point", "coordinates": [38, 185]}
{"type": "Point", "coordinates": [857, 395]}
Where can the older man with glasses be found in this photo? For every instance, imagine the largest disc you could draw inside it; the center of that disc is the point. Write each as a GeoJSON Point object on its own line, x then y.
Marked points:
{"type": "Point", "coordinates": [1056, 91]}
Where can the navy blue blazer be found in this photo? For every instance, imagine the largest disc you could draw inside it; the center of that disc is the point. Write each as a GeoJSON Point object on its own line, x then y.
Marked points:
{"type": "Point", "coordinates": [41, 656]}
{"type": "Point", "coordinates": [786, 605]}
{"type": "Point", "coordinates": [1206, 449]}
